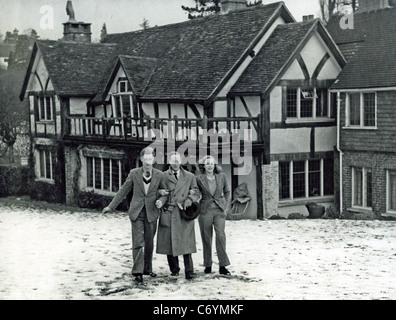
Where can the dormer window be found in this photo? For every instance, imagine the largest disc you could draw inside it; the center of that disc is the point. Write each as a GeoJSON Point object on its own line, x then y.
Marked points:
{"type": "Point", "coordinates": [124, 86]}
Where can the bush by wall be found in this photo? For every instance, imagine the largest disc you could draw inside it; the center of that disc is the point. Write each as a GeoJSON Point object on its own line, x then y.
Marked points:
{"type": "Point", "coordinates": [13, 181]}
{"type": "Point", "coordinates": [92, 200]}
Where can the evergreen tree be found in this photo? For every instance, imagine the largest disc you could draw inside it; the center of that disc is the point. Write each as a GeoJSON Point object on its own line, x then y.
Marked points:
{"type": "Point", "coordinates": [145, 24]}
{"type": "Point", "coordinates": [207, 7]}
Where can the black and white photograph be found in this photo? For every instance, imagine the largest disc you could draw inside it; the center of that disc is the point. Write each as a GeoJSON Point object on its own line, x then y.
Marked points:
{"type": "Point", "coordinates": [198, 150]}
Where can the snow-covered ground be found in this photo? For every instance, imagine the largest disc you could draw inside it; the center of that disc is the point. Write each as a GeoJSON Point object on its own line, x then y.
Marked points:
{"type": "Point", "coordinates": [64, 253]}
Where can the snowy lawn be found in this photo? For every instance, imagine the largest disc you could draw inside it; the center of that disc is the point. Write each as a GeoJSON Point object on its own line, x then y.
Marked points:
{"type": "Point", "coordinates": [57, 252]}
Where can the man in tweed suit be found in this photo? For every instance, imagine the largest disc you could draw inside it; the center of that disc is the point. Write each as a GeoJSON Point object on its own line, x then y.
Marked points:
{"type": "Point", "coordinates": [143, 212]}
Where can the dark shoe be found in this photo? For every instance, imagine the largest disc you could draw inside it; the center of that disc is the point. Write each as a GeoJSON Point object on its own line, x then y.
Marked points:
{"type": "Point", "coordinates": [151, 274]}
{"type": "Point", "coordinates": [190, 275]}
{"type": "Point", "coordinates": [208, 270]}
{"type": "Point", "coordinates": [139, 279]}
{"type": "Point", "coordinates": [224, 271]}
{"type": "Point", "coordinates": [175, 274]}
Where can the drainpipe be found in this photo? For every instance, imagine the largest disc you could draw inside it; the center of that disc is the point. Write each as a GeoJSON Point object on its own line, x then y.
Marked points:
{"type": "Point", "coordinates": [338, 145]}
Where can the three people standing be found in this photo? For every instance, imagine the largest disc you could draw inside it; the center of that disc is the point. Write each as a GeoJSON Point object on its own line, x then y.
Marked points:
{"type": "Point", "coordinates": [173, 191]}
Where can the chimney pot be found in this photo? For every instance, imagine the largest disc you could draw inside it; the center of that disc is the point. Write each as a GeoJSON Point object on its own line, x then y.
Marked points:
{"type": "Point", "coordinates": [232, 5]}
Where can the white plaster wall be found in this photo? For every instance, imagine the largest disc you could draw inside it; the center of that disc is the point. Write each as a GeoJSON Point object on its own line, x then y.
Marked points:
{"type": "Point", "coordinates": [78, 106]}
{"type": "Point", "coordinates": [276, 105]}
{"type": "Point", "coordinates": [253, 103]}
{"type": "Point", "coordinates": [325, 139]}
{"type": "Point", "coordinates": [294, 72]}
{"type": "Point", "coordinates": [290, 140]}
{"type": "Point", "coordinates": [120, 74]}
{"type": "Point", "coordinates": [34, 84]}
{"type": "Point", "coordinates": [220, 108]}
{"type": "Point", "coordinates": [312, 53]}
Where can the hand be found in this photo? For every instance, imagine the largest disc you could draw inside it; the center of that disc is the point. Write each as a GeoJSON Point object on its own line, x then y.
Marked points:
{"type": "Point", "coordinates": [106, 210]}
{"type": "Point", "coordinates": [187, 203]}
{"type": "Point", "coordinates": [158, 204]}
{"type": "Point", "coordinates": [163, 192]}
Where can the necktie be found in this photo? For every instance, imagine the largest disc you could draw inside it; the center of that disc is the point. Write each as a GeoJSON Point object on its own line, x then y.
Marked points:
{"type": "Point", "coordinates": [175, 173]}
{"type": "Point", "coordinates": [147, 177]}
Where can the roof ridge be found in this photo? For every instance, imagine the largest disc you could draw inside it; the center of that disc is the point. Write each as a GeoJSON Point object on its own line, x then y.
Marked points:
{"type": "Point", "coordinates": [199, 19]}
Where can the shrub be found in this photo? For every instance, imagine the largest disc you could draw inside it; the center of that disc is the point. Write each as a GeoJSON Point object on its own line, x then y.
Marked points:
{"type": "Point", "coordinates": [92, 200]}
{"type": "Point", "coordinates": [13, 181]}
{"type": "Point", "coordinates": [43, 191]}
{"type": "Point", "coordinates": [296, 215]}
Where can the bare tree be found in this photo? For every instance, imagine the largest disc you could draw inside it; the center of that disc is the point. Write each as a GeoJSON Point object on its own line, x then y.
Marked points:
{"type": "Point", "coordinates": [13, 112]}
{"type": "Point", "coordinates": [328, 8]}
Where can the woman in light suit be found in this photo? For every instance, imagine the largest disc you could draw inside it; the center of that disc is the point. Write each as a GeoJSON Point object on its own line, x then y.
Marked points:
{"type": "Point", "coordinates": [215, 196]}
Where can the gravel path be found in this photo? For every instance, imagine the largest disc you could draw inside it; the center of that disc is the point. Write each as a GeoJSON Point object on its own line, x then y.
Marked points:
{"type": "Point", "coordinates": [56, 252]}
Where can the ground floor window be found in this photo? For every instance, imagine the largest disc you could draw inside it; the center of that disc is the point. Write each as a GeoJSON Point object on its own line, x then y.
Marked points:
{"type": "Point", "coordinates": [306, 178]}
{"type": "Point", "coordinates": [362, 180]}
{"type": "Point", "coordinates": [45, 164]}
{"type": "Point", "coordinates": [391, 190]}
{"type": "Point", "coordinates": [104, 174]}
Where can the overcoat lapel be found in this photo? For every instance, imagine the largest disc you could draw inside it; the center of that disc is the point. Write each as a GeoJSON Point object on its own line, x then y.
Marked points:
{"type": "Point", "coordinates": [180, 182]}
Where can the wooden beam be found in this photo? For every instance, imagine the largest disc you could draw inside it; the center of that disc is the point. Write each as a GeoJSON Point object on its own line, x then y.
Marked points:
{"type": "Point", "coordinates": [320, 66]}
{"type": "Point", "coordinates": [303, 66]}
{"type": "Point", "coordinates": [248, 112]}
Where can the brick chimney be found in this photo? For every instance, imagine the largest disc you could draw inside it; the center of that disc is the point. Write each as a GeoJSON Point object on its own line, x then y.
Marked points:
{"type": "Point", "coordinates": [232, 5]}
{"type": "Point", "coordinates": [74, 30]}
{"type": "Point", "coordinates": [369, 5]}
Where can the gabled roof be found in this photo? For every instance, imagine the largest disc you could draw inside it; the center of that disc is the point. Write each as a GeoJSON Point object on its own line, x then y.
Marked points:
{"type": "Point", "coordinates": [370, 48]}
{"type": "Point", "coordinates": [138, 71]}
{"type": "Point", "coordinates": [277, 54]}
{"type": "Point", "coordinates": [197, 57]}
{"type": "Point", "coordinates": [75, 69]}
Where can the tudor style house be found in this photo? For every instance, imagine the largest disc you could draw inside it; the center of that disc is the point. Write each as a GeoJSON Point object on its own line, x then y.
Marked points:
{"type": "Point", "coordinates": [366, 161]}
{"type": "Point", "coordinates": [253, 72]}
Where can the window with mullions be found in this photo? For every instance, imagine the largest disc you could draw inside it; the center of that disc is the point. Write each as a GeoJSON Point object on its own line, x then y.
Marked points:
{"type": "Point", "coordinates": [391, 190]}
{"type": "Point", "coordinates": [361, 110]}
{"type": "Point", "coordinates": [362, 187]}
{"type": "Point", "coordinates": [306, 179]}
{"type": "Point", "coordinates": [45, 108]}
{"type": "Point", "coordinates": [46, 159]}
{"type": "Point", "coordinates": [104, 174]}
{"type": "Point", "coordinates": [309, 103]}
{"type": "Point", "coordinates": [299, 179]}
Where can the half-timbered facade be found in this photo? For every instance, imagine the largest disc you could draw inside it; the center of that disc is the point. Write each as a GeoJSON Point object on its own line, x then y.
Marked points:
{"type": "Point", "coordinates": [250, 86]}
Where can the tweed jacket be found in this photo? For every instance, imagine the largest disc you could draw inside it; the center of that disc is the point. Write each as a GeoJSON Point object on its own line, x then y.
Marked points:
{"type": "Point", "coordinates": [140, 199]}
{"type": "Point", "coordinates": [221, 196]}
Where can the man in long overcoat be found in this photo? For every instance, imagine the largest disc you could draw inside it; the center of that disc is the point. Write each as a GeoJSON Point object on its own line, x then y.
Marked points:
{"type": "Point", "coordinates": [143, 212]}
{"type": "Point", "coordinates": [176, 236]}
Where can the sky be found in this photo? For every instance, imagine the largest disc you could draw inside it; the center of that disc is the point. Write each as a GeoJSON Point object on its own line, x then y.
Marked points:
{"type": "Point", "coordinates": [119, 15]}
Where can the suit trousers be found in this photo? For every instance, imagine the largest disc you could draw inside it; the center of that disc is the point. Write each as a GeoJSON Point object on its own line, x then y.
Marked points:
{"type": "Point", "coordinates": [143, 233]}
{"type": "Point", "coordinates": [214, 218]}
{"type": "Point", "coordinates": [174, 263]}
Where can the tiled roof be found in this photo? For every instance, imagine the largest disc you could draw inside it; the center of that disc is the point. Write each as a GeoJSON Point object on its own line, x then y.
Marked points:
{"type": "Point", "coordinates": [273, 56]}
{"type": "Point", "coordinates": [195, 56]}
{"type": "Point", "coordinates": [370, 49]}
{"type": "Point", "coordinates": [139, 71]}
{"type": "Point", "coordinates": [76, 69]}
